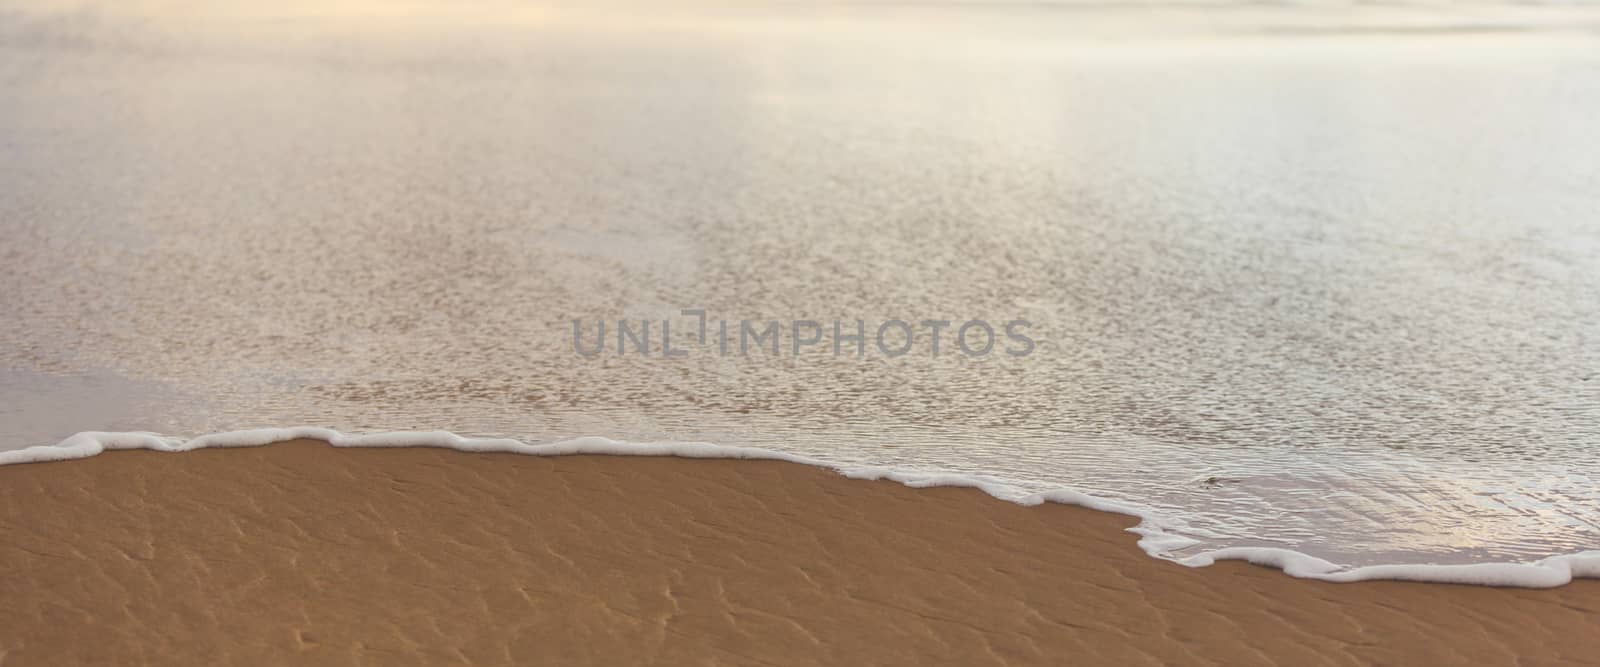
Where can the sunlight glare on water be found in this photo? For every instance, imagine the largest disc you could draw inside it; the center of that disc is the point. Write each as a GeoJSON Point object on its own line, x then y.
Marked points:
{"type": "Point", "coordinates": [1315, 278]}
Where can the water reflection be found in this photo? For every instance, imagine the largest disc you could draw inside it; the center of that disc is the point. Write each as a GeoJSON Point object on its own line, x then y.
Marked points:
{"type": "Point", "coordinates": [1296, 266]}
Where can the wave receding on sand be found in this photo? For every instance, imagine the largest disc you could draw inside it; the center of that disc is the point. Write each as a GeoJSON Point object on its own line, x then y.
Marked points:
{"type": "Point", "coordinates": [1157, 534]}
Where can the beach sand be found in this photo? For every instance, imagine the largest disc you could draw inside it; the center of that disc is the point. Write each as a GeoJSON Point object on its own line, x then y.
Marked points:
{"type": "Point", "coordinates": [300, 553]}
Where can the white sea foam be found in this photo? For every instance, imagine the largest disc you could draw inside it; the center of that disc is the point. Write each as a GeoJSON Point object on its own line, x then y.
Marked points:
{"type": "Point", "coordinates": [1158, 536]}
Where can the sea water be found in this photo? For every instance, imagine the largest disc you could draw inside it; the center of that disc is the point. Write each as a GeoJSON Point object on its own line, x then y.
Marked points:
{"type": "Point", "coordinates": [1314, 285]}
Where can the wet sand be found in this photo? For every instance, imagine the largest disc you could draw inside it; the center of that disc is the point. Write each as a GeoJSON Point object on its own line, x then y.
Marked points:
{"type": "Point", "coordinates": [306, 554]}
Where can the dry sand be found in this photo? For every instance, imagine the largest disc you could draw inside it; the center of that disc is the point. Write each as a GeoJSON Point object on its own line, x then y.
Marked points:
{"type": "Point", "coordinates": [299, 553]}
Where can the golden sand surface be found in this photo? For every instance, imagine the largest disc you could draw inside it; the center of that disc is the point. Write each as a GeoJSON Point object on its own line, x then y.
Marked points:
{"type": "Point", "coordinates": [300, 553]}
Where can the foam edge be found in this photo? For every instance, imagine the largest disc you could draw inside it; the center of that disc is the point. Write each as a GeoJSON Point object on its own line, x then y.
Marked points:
{"type": "Point", "coordinates": [1157, 536]}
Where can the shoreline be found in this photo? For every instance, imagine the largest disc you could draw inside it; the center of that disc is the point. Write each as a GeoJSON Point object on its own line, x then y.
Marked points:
{"type": "Point", "coordinates": [334, 555]}
{"type": "Point", "coordinates": [1154, 537]}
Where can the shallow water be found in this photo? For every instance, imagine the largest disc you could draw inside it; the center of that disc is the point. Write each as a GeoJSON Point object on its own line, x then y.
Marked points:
{"type": "Point", "coordinates": [1324, 279]}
